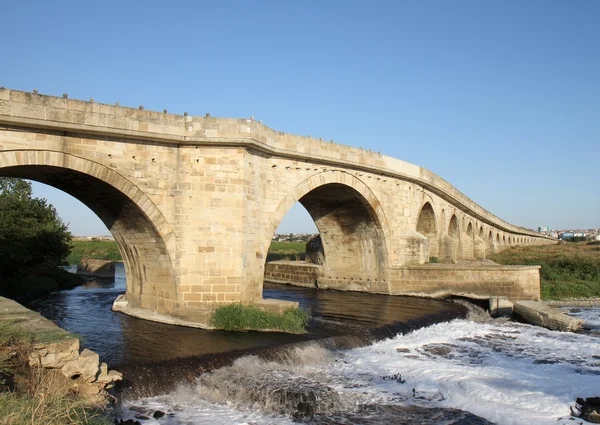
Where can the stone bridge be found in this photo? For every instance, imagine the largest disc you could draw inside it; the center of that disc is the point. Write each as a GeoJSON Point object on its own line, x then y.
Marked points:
{"type": "Point", "coordinates": [193, 203]}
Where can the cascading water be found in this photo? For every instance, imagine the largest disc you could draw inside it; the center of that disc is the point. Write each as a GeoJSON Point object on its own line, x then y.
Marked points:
{"type": "Point", "coordinates": [367, 359]}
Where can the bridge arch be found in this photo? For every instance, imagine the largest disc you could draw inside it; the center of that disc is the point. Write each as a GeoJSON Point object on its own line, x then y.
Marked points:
{"type": "Point", "coordinates": [144, 237]}
{"type": "Point", "coordinates": [427, 226]}
{"type": "Point", "coordinates": [353, 228]}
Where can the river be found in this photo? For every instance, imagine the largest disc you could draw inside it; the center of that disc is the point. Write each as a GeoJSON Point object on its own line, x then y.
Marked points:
{"type": "Point", "coordinates": [366, 359]}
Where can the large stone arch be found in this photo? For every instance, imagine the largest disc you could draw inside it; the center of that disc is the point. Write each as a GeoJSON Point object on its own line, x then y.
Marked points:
{"type": "Point", "coordinates": [353, 228]}
{"type": "Point", "coordinates": [427, 226]}
{"type": "Point", "coordinates": [144, 237]}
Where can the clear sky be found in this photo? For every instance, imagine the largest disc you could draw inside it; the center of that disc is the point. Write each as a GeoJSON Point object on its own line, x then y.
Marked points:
{"type": "Point", "coordinates": [500, 98]}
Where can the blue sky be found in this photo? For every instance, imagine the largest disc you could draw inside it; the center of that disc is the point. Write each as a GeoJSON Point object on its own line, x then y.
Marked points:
{"type": "Point", "coordinates": [501, 99]}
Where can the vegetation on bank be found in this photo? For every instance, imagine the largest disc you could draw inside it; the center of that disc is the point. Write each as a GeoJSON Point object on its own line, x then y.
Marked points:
{"type": "Point", "coordinates": [108, 250]}
{"type": "Point", "coordinates": [239, 317]}
{"type": "Point", "coordinates": [34, 242]}
{"type": "Point", "coordinates": [102, 250]}
{"type": "Point", "coordinates": [34, 396]}
{"type": "Point", "coordinates": [570, 270]}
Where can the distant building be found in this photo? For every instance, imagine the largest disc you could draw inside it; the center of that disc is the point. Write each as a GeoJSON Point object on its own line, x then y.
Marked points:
{"type": "Point", "coordinates": [544, 229]}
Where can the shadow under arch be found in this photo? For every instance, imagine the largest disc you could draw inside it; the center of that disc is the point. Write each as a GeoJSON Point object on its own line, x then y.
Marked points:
{"type": "Point", "coordinates": [353, 229]}
{"type": "Point", "coordinates": [139, 228]}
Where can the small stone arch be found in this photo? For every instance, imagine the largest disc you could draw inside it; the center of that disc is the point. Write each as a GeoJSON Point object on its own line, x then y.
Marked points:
{"type": "Point", "coordinates": [470, 232]}
{"type": "Point", "coordinates": [427, 226]}
{"type": "Point", "coordinates": [451, 244]}
{"type": "Point", "coordinates": [453, 228]}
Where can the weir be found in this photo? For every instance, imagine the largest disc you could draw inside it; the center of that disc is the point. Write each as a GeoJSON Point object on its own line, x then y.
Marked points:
{"type": "Point", "coordinates": [193, 203]}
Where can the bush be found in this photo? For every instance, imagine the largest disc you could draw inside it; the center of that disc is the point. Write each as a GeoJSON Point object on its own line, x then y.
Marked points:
{"type": "Point", "coordinates": [34, 241]}
{"type": "Point", "coordinates": [239, 317]}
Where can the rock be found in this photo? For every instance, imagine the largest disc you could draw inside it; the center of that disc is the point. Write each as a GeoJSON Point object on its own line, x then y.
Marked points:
{"type": "Point", "coordinates": [500, 307]}
{"type": "Point", "coordinates": [402, 350]}
{"type": "Point", "coordinates": [539, 314]}
{"type": "Point", "coordinates": [86, 366]}
{"type": "Point", "coordinates": [158, 414]}
{"type": "Point", "coordinates": [96, 268]}
{"type": "Point", "coordinates": [593, 417]}
{"type": "Point", "coordinates": [589, 409]}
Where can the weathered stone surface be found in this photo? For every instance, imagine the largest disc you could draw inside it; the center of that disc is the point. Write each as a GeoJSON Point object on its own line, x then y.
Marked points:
{"type": "Point", "coordinates": [193, 203]}
{"type": "Point", "coordinates": [540, 314]}
{"type": "Point", "coordinates": [96, 268]}
{"type": "Point", "coordinates": [64, 364]}
{"type": "Point", "coordinates": [500, 307]}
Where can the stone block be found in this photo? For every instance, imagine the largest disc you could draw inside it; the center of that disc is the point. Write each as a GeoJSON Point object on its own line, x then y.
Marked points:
{"type": "Point", "coordinates": [500, 307]}
{"type": "Point", "coordinates": [540, 314]}
{"type": "Point", "coordinates": [96, 268]}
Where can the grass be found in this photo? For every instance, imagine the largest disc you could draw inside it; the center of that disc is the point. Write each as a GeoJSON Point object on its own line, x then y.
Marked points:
{"type": "Point", "coordinates": [48, 409]}
{"type": "Point", "coordinates": [287, 248]}
{"type": "Point", "coordinates": [569, 270]}
{"type": "Point", "coordinates": [239, 317]}
{"type": "Point", "coordinates": [108, 250]}
{"type": "Point", "coordinates": [36, 396]}
{"type": "Point", "coordinates": [103, 250]}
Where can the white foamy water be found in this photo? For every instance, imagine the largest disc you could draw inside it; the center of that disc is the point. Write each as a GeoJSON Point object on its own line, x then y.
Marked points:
{"type": "Point", "coordinates": [591, 316]}
{"type": "Point", "coordinates": [507, 373]}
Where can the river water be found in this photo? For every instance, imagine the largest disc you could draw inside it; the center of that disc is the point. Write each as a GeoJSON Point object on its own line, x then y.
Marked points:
{"type": "Point", "coordinates": [354, 366]}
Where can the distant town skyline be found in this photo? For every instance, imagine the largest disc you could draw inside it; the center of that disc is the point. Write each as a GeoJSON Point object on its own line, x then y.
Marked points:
{"type": "Point", "coordinates": [500, 99]}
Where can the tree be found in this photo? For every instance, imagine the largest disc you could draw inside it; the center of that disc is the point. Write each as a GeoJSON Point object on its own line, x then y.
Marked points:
{"type": "Point", "coordinates": [32, 236]}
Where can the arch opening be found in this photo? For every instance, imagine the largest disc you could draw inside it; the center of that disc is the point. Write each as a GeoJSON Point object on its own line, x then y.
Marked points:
{"type": "Point", "coordinates": [353, 251]}
{"type": "Point", "coordinates": [147, 263]}
{"type": "Point", "coordinates": [426, 225]}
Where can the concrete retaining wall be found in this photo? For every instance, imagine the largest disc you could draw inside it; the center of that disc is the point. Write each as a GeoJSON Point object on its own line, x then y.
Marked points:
{"type": "Point", "coordinates": [296, 273]}
{"type": "Point", "coordinates": [514, 282]}
{"type": "Point", "coordinates": [431, 280]}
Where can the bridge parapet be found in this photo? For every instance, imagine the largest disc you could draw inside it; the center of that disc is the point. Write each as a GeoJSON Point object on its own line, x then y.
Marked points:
{"type": "Point", "coordinates": [54, 113]}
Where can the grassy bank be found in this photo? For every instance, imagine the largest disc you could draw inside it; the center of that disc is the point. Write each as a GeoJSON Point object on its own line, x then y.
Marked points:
{"type": "Point", "coordinates": [570, 270]}
{"type": "Point", "coordinates": [34, 396]}
{"type": "Point", "coordinates": [238, 317]}
{"type": "Point", "coordinates": [103, 250]}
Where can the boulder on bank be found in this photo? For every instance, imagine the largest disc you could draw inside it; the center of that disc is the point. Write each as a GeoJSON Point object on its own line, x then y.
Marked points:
{"type": "Point", "coordinates": [540, 314]}
{"type": "Point", "coordinates": [94, 267]}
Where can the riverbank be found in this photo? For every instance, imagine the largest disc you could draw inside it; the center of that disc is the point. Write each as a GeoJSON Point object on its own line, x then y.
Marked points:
{"type": "Point", "coordinates": [44, 378]}
{"type": "Point", "coordinates": [101, 250]}
{"type": "Point", "coordinates": [569, 270]}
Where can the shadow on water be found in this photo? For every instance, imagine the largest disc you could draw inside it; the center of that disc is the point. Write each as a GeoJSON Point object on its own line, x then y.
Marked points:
{"type": "Point", "coordinates": [155, 356]}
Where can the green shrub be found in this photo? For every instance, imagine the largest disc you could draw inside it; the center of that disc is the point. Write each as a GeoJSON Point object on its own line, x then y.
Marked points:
{"type": "Point", "coordinates": [433, 260]}
{"type": "Point", "coordinates": [239, 317]}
